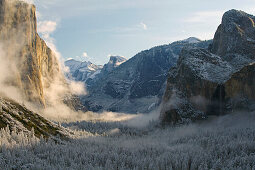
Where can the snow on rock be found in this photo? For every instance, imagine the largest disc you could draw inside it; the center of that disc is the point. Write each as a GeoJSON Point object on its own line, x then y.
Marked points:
{"type": "Point", "coordinates": [218, 80]}
{"type": "Point", "coordinates": [137, 83]}
{"type": "Point", "coordinates": [18, 117]}
{"type": "Point", "coordinates": [205, 64]}
{"type": "Point", "coordinates": [82, 71]}
{"type": "Point", "coordinates": [192, 40]}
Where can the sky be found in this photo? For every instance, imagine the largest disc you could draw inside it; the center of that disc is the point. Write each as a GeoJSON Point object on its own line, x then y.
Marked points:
{"type": "Point", "coordinates": [92, 30]}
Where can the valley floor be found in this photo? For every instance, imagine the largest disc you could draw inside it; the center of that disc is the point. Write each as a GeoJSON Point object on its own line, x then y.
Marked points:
{"type": "Point", "coordinates": [223, 143]}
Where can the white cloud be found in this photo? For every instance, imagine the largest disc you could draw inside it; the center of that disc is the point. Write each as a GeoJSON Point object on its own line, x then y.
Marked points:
{"type": "Point", "coordinates": [85, 55]}
{"type": "Point", "coordinates": [144, 26]}
{"type": "Point", "coordinates": [46, 27]}
{"type": "Point", "coordinates": [205, 16]}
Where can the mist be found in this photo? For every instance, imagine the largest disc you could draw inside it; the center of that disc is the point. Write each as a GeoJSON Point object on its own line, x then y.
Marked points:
{"type": "Point", "coordinates": [55, 90]}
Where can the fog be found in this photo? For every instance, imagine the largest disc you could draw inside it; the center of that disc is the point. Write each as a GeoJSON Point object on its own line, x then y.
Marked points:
{"type": "Point", "coordinates": [55, 89]}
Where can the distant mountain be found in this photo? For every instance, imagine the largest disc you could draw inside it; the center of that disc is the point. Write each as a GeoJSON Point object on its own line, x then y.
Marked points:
{"type": "Point", "coordinates": [138, 84]}
{"type": "Point", "coordinates": [82, 71]}
{"type": "Point", "coordinates": [214, 81]}
{"type": "Point", "coordinates": [114, 62]}
{"type": "Point", "coordinates": [88, 72]}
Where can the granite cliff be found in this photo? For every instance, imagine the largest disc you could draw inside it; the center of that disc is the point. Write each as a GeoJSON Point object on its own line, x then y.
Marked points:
{"type": "Point", "coordinates": [217, 80]}
{"type": "Point", "coordinates": [33, 65]}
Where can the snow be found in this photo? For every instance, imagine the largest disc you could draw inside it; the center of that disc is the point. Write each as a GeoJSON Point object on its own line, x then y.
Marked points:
{"type": "Point", "coordinates": [92, 76]}
{"type": "Point", "coordinates": [222, 143]}
{"type": "Point", "coordinates": [192, 40]}
{"type": "Point", "coordinates": [251, 40]}
{"type": "Point", "coordinates": [207, 65]}
{"type": "Point", "coordinates": [81, 71]}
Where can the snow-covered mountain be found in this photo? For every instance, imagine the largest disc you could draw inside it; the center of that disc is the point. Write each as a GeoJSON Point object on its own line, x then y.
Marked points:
{"type": "Point", "coordinates": [87, 71]}
{"type": "Point", "coordinates": [138, 84]}
{"type": "Point", "coordinates": [82, 71]}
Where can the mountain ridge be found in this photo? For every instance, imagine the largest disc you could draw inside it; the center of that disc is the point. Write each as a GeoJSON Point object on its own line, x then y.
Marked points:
{"type": "Point", "coordinates": [134, 86]}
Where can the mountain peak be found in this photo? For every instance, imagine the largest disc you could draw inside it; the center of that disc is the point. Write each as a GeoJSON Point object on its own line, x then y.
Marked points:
{"type": "Point", "coordinates": [192, 40]}
{"type": "Point", "coordinates": [117, 60]}
{"type": "Point", "coordinates": [233, 18]}
{"type": "Point", "coordinates": [235, 34]}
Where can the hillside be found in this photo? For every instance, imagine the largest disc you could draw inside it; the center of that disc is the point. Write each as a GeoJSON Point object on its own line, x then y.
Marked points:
{"type": "Point", "coordinates": [19, 118]}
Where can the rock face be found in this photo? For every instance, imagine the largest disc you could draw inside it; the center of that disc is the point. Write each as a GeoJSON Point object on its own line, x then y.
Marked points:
{"type": "Point", "coordinates": [193, 83]}
{"type": "Point", "coordinates": [234, 39]}
{"type": "Point", "coordinates": [240, 90]}
{"type": "Point", "coordinates": [215, 81]}
{"type": "Point", "coordinates": [114, 62]}
{"type": "Point", "coordinates": [137, 85]}
{"type": "Point", "coordinates": [34, 65]}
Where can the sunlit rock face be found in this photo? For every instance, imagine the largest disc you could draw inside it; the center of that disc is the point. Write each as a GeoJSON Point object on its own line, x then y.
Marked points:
{"type": "Point", "coordinates": [33, 63]}
{"type": "Point", "coordinates": [215, 81]}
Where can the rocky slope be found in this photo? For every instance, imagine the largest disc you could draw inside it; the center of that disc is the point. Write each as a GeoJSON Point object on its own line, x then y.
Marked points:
{"type": "Point", "coordinates": [215, 81]}
{"type": "Point", "coordinates": [137, 85]}
{"type": "Point", "coordinates": [18, 117]}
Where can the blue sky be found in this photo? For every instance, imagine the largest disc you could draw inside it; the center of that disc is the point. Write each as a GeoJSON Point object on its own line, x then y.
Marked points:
{"type": "Point", "coordinates": [94, 29]}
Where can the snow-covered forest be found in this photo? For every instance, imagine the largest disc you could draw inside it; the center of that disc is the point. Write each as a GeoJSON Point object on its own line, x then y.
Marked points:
{"type": "Point", "coordinates": [220, 143]}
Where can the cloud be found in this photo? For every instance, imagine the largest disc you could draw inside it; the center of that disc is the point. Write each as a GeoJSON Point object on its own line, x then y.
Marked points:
{"type": "Point", "coordinates": [83, 57]}
{"type": "Point", "coordinates": [144, 26]}
{"type": "Point", "coordinates": [46, 27]}
{"type": "Point", "coordinates": [205, 16]}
